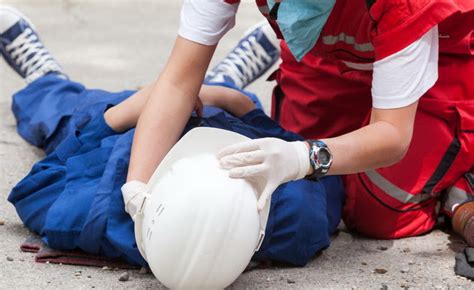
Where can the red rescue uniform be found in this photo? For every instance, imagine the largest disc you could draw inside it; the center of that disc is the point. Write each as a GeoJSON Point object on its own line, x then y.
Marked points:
{"type": "Point", "coordinates": [328, 94]}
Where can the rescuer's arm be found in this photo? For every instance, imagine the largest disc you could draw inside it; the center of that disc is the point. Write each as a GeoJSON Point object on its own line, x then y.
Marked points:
{"type": "Point", "coordinates": [381, 143]}
{"type": "Point", "coordinates": [399, 80]}
{"type": "Point", "coordinates": [168, 107]}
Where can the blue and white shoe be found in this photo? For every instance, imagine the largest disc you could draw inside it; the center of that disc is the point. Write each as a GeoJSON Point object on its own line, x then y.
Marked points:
{"type": "Point", "coordinates": [255, 53]}
{"type": "Point", "coordinates": [22, 48]}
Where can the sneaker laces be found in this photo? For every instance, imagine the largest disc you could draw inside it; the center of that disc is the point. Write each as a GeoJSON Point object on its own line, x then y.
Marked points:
{"type": "Point", "coordinates": [31, 56]}
{"type": "Point", "coordinates": [246, 61]}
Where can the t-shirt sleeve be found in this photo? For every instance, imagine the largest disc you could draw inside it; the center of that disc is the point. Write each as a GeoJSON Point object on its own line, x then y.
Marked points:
{"type": "Point", "coordinates": [206, 21]}
{"type": "Point", "coordinates": [403, 77]}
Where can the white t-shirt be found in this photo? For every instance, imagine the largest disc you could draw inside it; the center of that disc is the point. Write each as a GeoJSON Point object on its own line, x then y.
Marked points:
{"type": "Point", "coordinates": [398, 80]}
{"type": "Point", "coordinates": [206, 21]}
{"type": "Point", "coordinates": [402, 78]}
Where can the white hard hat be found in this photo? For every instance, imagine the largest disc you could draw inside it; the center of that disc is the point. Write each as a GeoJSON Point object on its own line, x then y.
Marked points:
{"type": "Point", "coordinates": [199, 227]}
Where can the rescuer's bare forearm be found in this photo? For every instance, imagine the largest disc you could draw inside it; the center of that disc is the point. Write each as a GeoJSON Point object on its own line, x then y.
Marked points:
{"type": "Point", "coordinates": [382, 143]}
{"type": "Point", "coordinates": [168, 107]}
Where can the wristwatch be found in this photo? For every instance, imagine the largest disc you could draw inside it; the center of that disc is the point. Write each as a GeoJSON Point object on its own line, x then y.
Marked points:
{"type": "Point", "coordinates": [320, 158]}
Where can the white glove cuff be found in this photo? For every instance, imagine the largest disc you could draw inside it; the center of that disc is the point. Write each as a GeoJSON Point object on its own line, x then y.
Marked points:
{"type": "Point", "coordinates": [130, 190]}
{"type": "Point", "coordinates": [134, 196]}
{"type": "Point", "coordinates": [302, 153]}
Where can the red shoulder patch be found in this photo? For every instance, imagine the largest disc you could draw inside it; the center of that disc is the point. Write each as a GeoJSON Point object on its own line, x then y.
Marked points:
{"type": "Point", "coordinates": [401, 22]}
{"type": "Point", "coordinates": [392, 13]}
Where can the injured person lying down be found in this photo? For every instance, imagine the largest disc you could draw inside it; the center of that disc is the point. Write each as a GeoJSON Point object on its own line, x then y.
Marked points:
{"type": "Point", "coordinates": [72, 197]}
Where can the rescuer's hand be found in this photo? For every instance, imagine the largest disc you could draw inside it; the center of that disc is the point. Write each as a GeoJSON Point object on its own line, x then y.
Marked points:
{"type": "Point", "coordinates": [268, 162]}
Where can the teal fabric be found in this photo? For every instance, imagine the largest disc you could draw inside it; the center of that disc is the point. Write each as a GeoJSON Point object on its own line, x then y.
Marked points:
{"type": "Point", "coordinates": [301, 23]}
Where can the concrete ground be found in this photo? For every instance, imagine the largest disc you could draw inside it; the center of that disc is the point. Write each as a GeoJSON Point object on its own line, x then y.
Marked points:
{"type": "Point", "coordinates": [122, 44]}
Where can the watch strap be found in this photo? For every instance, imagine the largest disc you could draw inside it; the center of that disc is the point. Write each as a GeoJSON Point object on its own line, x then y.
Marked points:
{"type": "Point", "coordinates": [320, 171]}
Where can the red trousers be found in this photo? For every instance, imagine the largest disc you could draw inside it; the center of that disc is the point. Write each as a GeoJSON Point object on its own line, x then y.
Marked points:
{"type": "Point", "coordinates": [315, 99]}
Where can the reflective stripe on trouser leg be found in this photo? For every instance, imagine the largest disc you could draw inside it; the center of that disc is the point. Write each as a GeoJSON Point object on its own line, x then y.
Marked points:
{"type": "Point", "coordinates": [394, 191]}
{"type": "Point", "coordinates": [371, 211]}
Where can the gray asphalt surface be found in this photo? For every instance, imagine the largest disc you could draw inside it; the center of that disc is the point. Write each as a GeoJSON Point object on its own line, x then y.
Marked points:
{"type": "Point", "coordinates": [116, 45]}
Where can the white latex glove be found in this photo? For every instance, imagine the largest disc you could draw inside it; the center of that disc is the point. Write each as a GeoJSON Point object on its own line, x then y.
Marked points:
{"type": "Point", "coordinates": [134, 197]}
{"type": "Point", "coordinates": [268, 162]}
{"type": "Point", "coordinates": [133, 193]}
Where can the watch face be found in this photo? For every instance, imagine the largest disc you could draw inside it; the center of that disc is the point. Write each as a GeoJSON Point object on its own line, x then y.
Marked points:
{"type": "Point", "coordinates": [324, 156]}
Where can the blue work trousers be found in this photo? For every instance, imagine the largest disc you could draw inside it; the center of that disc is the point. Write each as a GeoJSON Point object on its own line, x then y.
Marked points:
{"type": "Point", "coordinates": [72, 196]}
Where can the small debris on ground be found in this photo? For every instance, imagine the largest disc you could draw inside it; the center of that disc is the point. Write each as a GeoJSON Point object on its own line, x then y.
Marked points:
{"type": "Point", "coordinates": [9, 259]}
{"type": "Point", "coordinates": [411, 263]}
{"type": "Point", "coordinates": [384, 287]}
{"type": "Point", "coordinates": [290, 281]}
{"type": "Point", "coordinates": [78, 273]}
{"type": "Point", "coordinates": [2, 223]}
{"type": "Point", "coordinates": [143, 270]}
{"type": "Point", "coordinates": [404, 270]}
{"type": "Point", "coordinates": [382, 248]}
{"type": "Point", "coordinates": [364, 263]}
{"type": "Point", "coordinates": [124, 277]}
{"type": "Point", "coordinates": [380, 271]}
{"type": "Point", "coordinates": [406, 250]}
{"type": "Point", "coordinates": [105, 268]}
